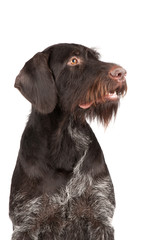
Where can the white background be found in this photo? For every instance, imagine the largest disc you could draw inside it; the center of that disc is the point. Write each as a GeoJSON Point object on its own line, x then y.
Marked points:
{"type": "Point", "coordinates": [125, 32]}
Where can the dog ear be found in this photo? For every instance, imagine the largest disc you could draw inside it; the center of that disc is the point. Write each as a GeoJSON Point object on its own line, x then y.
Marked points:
{"type": "Point", "coordinates": [35, 82]}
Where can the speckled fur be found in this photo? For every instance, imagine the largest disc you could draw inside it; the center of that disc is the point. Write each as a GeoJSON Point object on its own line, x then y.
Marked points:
{"type": "Point", "coordinates": [86, 205]}
{"type": "Point", "coordinates": [83, 203]}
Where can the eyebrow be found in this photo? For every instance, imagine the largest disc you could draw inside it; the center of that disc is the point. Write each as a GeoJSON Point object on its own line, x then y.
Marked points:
{"type": "Point", "coordinates": [76, 52]}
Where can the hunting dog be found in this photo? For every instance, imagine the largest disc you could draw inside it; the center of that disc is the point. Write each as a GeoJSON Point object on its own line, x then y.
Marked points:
{"type": "Point", "coordinates": [61, 187]}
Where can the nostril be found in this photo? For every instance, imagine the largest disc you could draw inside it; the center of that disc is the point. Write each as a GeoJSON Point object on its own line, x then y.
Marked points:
{"type": "Point", "coordinates": [118, 74]}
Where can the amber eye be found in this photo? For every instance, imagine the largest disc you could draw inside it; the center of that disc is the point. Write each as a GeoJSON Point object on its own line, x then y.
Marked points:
{"type": "Point", "coordinates": [74, 61]}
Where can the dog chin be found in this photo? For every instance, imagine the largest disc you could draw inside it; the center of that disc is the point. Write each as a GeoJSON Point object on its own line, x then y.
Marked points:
{"type": "Point", "coordinates": [103, 112]}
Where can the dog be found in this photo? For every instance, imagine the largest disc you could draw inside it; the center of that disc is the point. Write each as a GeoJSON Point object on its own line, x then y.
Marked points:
{"type": "Point", "coordinates": [61, 187]}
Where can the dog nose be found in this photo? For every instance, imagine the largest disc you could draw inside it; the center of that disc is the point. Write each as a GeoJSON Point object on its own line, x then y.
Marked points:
{"type": "Point", "coordinates": [118, 74]}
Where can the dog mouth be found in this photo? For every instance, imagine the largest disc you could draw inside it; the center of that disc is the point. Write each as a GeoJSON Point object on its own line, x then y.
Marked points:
{"type": "Point", "coordinates": [111, 96]}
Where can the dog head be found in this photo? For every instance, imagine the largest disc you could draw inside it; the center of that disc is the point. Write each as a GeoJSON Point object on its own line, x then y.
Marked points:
{"type": "Point", "coordinates": [72, 77]}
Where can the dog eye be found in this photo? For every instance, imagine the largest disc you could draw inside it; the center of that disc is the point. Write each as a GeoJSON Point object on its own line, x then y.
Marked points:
{"type": "Point", "coordinates": [74, 61]}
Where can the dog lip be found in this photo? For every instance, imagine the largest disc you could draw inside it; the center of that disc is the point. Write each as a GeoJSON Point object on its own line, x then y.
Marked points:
{"type": "Point", "coordinates": [86, 105]}
{"type": "Point", "coordinates": [108, 97]}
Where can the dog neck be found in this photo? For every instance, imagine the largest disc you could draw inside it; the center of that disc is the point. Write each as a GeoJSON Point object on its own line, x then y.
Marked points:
{"type": "Point", "coordinates": [57, 121]}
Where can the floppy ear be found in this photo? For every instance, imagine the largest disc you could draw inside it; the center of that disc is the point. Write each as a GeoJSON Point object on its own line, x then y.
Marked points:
{"type": "Point", "coordinates": [35, 81]}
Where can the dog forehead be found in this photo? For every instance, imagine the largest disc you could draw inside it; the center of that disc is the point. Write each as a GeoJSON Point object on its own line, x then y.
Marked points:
{"type": "Point", "coordinates": [65, 50]}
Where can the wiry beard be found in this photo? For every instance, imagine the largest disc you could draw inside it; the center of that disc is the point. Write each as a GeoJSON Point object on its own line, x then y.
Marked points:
{"type": "Point", "coordinates": [102, 112]}
{"type": "Point", "coordinates": [101, 100]}
{"type": "Point", "coordinates": [96, 93]}
{"type": "Point", "coordinates": [103, 90]}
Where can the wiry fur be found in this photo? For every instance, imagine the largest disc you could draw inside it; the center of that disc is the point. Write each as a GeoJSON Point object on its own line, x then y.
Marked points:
{"type": "Point", "coordinates": [61, 187]}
